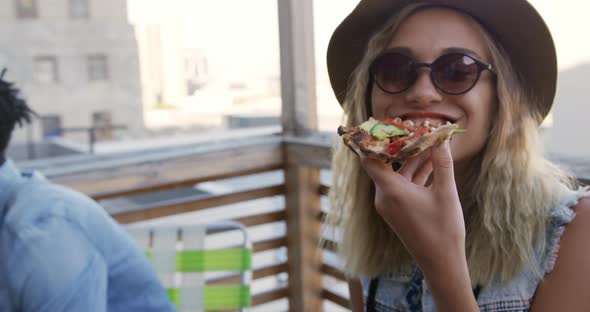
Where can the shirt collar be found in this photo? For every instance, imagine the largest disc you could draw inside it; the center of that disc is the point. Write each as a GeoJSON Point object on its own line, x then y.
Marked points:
{"type": "Point", "coordinates": [10, 179]}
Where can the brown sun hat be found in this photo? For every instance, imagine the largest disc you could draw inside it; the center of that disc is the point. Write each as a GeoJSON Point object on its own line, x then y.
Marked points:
{"type": "Point", "coordinates": [515, 24]}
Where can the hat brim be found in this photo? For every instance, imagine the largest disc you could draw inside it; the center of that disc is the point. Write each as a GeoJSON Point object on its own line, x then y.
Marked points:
{"type": "Point", "coordinates": [515, 24]}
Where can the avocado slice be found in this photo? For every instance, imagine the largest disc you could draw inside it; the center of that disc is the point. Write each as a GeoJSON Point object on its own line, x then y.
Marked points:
{"type": "Point", "coordinates": [382, 131]}
{"type": "Point", "coordinates": [369, 124]}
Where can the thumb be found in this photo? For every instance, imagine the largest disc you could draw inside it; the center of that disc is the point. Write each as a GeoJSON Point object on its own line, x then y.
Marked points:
{"type": "Point", "coordinates": [442, 163]}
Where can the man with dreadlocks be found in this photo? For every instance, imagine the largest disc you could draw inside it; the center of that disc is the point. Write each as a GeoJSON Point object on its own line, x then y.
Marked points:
{"type": "Point", "coordinates": [59, 250]}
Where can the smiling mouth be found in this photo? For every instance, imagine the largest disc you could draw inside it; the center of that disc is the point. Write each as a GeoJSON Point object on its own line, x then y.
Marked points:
{"type": "Point", "coordinates": [429, 122]}
{"type": "Point", "coordinates": [427, 119]}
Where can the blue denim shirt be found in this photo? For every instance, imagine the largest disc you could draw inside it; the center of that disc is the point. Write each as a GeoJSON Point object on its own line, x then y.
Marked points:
{"type": "Point", "coordinates": [60, 251]}
{"type": "Point", "coordinates": [408, 292]}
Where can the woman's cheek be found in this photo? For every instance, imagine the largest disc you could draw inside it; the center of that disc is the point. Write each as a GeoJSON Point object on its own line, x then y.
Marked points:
{"type": "Point", "coordinates": [455, 147]}
{"type": "Point", "coordinates": [461, 147]}
{"type": "Point", "coordinates": [465, 146]}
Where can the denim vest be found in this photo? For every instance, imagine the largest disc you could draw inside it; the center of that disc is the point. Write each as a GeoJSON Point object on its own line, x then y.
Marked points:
{"type": "Point", "coordinates": [408, 292]}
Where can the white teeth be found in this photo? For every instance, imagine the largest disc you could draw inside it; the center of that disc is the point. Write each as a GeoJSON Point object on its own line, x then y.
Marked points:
{"type": "Point", "coordinates": [448, 122]}
{"type": "Point", "coordinates": [427, 123]}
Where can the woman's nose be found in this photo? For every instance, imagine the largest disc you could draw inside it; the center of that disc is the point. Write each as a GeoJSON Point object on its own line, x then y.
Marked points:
{"type": "Point", "coordinates": [423, 92]}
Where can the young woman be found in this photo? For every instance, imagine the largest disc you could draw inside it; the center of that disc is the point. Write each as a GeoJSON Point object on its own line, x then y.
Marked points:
{"type": "Point", "coordinates": [484, 222]}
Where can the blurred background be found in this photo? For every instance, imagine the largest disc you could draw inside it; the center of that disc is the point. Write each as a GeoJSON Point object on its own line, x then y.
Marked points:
{"type": "Point", "coordinates": [121, 83]}
{"type": "Point", "coordinates": [150, 73]}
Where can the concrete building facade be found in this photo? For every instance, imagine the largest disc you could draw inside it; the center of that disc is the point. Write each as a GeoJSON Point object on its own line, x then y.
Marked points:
{"type": "Point", "coordinates": [76, 62]}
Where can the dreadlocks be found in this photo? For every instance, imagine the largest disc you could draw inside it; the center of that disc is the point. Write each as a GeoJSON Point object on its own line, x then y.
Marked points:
{"type": "Point", "coordinates": [13, 110]}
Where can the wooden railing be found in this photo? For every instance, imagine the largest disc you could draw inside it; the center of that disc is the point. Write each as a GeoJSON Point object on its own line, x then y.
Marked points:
{"type": "Point", "coordinates": [300, 159]}
{"type": "Point", "coordinates": [110, 177]}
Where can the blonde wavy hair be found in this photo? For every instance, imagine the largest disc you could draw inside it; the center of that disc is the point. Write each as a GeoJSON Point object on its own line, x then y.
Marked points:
{"type": "Point", "coordinates": [506, 199]}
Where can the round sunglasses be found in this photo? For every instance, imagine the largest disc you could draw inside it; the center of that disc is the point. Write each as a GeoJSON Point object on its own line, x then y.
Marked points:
{"type": "Point", "coordinates": [453, 73]}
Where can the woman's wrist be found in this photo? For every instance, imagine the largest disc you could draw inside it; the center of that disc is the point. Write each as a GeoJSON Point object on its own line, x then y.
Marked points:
{"type": "Point", "coordinates": [450, 284]}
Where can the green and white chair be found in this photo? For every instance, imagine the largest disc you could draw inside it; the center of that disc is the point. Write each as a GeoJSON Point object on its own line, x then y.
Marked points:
{"type": "Point", "coordinates": [181, 260]}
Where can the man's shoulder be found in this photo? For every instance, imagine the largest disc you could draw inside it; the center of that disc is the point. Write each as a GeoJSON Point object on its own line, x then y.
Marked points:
{"type": "Point", "coordinates": [39, 200]}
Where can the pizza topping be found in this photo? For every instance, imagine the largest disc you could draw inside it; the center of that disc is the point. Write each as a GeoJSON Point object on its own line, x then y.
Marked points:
{"type": "Point", "coordinates": [369, 124]}
{"type": "Point", "coordinates": [421, 132]}
{"type": "Point", "coordinates": [382, 131]}
{"type": "Point", "coordinates": [395, 147]}
{"type": "Point", "coordinates": [402, 124]}
{"type": "Point", "coordinates": [408, 124]}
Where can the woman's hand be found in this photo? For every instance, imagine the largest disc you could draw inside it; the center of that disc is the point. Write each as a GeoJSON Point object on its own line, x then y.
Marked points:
{"type": "Point", "coordinates": [424, 211]}
{"type": "Point", "coordinates": [421, 204]}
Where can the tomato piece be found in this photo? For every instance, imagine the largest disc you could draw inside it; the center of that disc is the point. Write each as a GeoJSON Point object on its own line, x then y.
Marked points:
{"type": "Point", "coordinates": [395, 147]}
{"type": "Point", "coordinates": [420, 132]}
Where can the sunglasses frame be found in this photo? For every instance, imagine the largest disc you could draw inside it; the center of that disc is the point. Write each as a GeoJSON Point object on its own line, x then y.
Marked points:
{"type": "Point", "coordinates": [416, 65]}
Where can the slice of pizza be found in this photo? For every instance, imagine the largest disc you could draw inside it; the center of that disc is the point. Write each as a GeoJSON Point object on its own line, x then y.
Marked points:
{"type": "Point", "coordinates": [396, 140]}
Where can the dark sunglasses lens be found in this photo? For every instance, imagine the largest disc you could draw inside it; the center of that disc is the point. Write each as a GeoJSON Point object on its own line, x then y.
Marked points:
{"type": "Point", "coordinates": [393, 72]}
{"type": "Point", "coordinates": [455, 73]}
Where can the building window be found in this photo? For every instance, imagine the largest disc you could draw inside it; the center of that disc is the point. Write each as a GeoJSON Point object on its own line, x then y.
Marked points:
{"type": "Point", "coordinates": [80, 9]}
{"type": "Point", "coordinates": [98, 67]}
{"type": "Point", "coordinates": [26, 9]}
{"type": "Point", "coordinates": [52, 127]}
{"type": "Point", "coordinates": [46, 71]}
